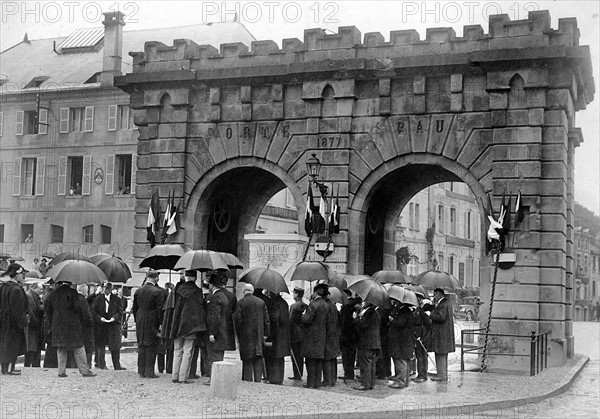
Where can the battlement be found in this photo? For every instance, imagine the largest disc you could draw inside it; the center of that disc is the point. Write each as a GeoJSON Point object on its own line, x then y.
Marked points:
{"type": "Point", "coordinates": [535, 31]}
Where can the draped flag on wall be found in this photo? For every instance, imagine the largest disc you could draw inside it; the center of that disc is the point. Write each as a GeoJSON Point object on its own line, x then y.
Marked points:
{"type": "Point", "coordinates": [310, 210]}
{"type": "Point", "coordinates": [174, 220]}
{"type": "Point", "coordinates": [334, 216]}
{"type": "Point", "coordinates": [153, 223]}
{"type": "Point", "coordinates": [519, 212]}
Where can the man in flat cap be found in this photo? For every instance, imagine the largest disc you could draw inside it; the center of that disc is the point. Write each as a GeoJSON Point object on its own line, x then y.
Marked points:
{"type": "Point", "coordinates": [147, 312]}
{"type": "Point", "coordinates": [315, 334]}
{"type": "Point", "coordinates": [296, 333]}
{"type": "Point", "coordinates": [13, 318]}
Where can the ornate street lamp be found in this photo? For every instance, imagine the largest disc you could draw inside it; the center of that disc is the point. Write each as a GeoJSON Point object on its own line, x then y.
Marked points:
{"type": "Point", "coordinates": [313, 167]}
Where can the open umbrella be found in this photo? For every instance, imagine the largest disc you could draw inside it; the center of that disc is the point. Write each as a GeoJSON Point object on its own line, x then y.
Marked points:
{"type": "Point", "coordinates": [77, 272]}
{"type": "Point", "coordinates": [403, 295]}
{"type": "Point", "coordinates": [61, 257]}
{"type": "Point", "coordinates": [265, 278]}
{"type": "Point", "coordinates": [201, 260]}
{"type": "Point", "coordinates": [371, 291]}
{"type": "Point", "coordinates": [351, 279]}
{"type": "Point", "coordinates": [100, 256]}
{"type": "Point", "coordinates": [164, 256]}
{"type": "Point", "coordinates": [338, 281]}
{"type": "Point", "coordinates": [232, 261]}
{"type": "Point", "coordinates": [391, 276]}
{"type": "Point", "coordinates": [113, 267]}
{"type": "Point", "coordinates": [33, 273]}
{"type": "Point", "coordinates": [309, 271]}
{"type": "Point", "coordinates": [4, 256]}
{"type": "Point", "coordinates": [337, 296]}
{"type": "Point", "coordinates": [49, 255]}
{"type": "Point", "coordinates": [436, 279]}
{"type": "Point", "coordinates": [17, 258]}
{"type": "Point", "coordinates": [417, 289]}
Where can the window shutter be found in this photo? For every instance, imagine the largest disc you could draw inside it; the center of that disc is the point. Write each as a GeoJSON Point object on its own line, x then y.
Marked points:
{"type": "Point", "coordinates": [112, 118]}
{"type": "Point", "coordinates": [89, 119]}
{"type": "Point", "coordinates": [19, 126]}
{"type": "Point", "coordinates": [43, 119]}
{"type": "Point", "coordinates": [16, 187]}
{"type": "Point", "coordinates": [126, 117]}
{"type": "Point", "coordinates": [133, 173]}
{"type": "Point", "coordinates": [62, 174]}
{"type": "Point", "coordinates": [64, 121]}
{"type": "Point", "coordinates": [87, 175]}
{"type": "Point", "coordinates": [109, 179]}
{"type": "Point", "coordinates": [1, 123]}
{"type": "Point", "coordinates": [40, 176]}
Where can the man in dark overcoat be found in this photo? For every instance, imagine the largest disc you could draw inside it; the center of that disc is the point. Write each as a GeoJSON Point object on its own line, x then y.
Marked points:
{"type": "Point", "coordinates": [252, 325]}
{"type": "Point", "coordinates": [315, 335]}
{"type": "Point", "coordinates": [296, 333]}
{"type": "Point", "coordinates": [188, 319]}
{"type": "Point", "coordinates": [107, 312]}
{"type": "Point", "coordinates": [332, 344]}
{"type": "Point", "coordinates": [65, 313]}
{"type": "Point", "coordinates": [348, 336]}
{"type": "Point", "coordinates": [258, 293]}
{"type": "Point", "coordinates": [422, 332]}
{"type": "Point", "coordinates": [87, 329]}
{"type": "Point", "coordinates": [279, 317]}
{"type": "Point", "coordinates": [442, 333]}
{"type": "Point", "coordinates": [216, 321]}
{"type": "Point", "coordinates": [13, 318]}
{"type": "Point", "coordinates": [384, 360]}
{"type": "Point", "coordinates": [147, 312]}
{"type": "Point", "coordinates": [231, 307]}
{"type": "Point", "coordinates": [35, 327]}
{"type": "Point", "coordinates": [50, 355]}
{"type": "Point", "coordinates": [368, 323]}
{"type": "Point", "coordinates": [401, 342]}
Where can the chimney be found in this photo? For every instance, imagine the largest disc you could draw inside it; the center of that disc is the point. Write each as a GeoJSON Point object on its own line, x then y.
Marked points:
{"type": "Point", "coordinates": [113, 46]}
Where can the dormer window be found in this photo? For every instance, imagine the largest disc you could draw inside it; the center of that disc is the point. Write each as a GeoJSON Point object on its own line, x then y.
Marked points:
{"type": "Point", "coordinates": [36, 82]}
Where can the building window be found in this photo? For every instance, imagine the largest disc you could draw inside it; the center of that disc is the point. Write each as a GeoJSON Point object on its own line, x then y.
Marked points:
{"type": "Point", "coordinates": [88, 234]}
{"type": "Point", "coordinates": [1, 233]}
{"type": "Point", "coordinates": [413, 221]}
{"type": "Point", "coordinates": [468, 225]}
{"type": "Point", "coordinates": [31, 125]}
{"type": "Point", "coordinates": [105, 234]}
{"type": "Point", "coordinates": [451, 265]}
{"type": "Point", "coordinates": [28, 167]}
{"type": "Point", "coordinates": [441, 219]}
{"type": "Point", "coordinates": [123, 166]}
{"type": "Point", "coordinates": [461, 273]}
{"type": "Point", "coordinates": [56, 233]}
{"type": "Point", "coordinates": [413, 266]}
{"type": "Point", "coordinates": [1, 123]}
{"type": "Point", "coordinates": [27, 233]}
{"type": "Point", "coordinates": [441, 263]}
{"type": "Point", "coordinates": [75, 174]}
{"type": "Point", "coordinates": [76, 119]}
{"type": "Point", "coordinates": [119, 117]}
{"type": "Point", "coordinates": [453, 221]}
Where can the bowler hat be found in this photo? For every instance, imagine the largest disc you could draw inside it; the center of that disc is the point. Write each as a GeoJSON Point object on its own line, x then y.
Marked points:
{"type": "Point", "coordinates": [13, 269]}
{"type": "Point", "coordinates": [152, 274]}
{"type": "Point", "coordinates": [322, 289]}
{"type": "Point", "coordinates": [299, 291]}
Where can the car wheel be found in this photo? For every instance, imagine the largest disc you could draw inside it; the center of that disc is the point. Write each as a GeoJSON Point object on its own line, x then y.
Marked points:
{"type": "Point", "coordinates": [469, 316]}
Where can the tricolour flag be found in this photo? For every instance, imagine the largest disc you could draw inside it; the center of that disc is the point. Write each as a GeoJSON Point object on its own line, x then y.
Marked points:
{"type": "Point", "coordinates": [153, 219]}
{"type": "Point", "coordinates": [334, 216]}
{"type": "Point", "coordinates": [519, 212]}
{"type": "Point", "coordinates": [174, 220]}
{"type": "Point", "coordinates": [310, 210]}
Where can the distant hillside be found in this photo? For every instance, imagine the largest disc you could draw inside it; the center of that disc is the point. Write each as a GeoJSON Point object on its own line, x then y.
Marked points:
{"type": "Point", "coordinates": [587, 219]}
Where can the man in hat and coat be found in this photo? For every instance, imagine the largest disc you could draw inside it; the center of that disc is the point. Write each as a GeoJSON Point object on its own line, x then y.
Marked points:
{"type": "Point", "coordinates": [231, 307]}
{"type": "Point", "coordinates": [65, 314]}
{"type": "Point", "coordinates": [368, 323]}
{"type": "Point", "coordinates": [279, 317]}
{"type": "Point", "coordinates": [442, 333]}
{"type": "Point", "coordinates": [252, 325]}
{"type": "Point", "coordinates": [147, 312]}
{"type": "Point", "coordinates": [401, 342]}
{"type": "Point", "coordinates": [216, 321]}
{"type": "Point", "coordinates": [315, 335]}
{"type": "Point", "coordinates": [35, 327]}
{"type": "Point", "coordinates": [107, 311]}
{"type": "Point", "coordinates": [296, 333]}
{"type": "Point", "coordinates": [332, 344]}
{"type": "Point", "coordinates": [13, 318]}
{"type": "Point", "coordinates": [422, 330]}
{"type": "Point", "coordinates": [87, 328]}
{"type": "Point", "coordinates": [348, 335]}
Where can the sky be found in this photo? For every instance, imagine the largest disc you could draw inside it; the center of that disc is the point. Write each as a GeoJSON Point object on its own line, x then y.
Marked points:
{"type": "Point", "coordinates": [277, 20]}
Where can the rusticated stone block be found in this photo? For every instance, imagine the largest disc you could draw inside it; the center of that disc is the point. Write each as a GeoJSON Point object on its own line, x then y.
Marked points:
{"type": "Point", "coordinates": [498, 118]}
{"type": "Point", "coordinates": [516, 310]}
{"type": "Point", "coordinates": [558, 99]}
{"type": "Point", "coordinates": [556, 118]}
{"type": "Point", "coordinates": [552, 311]}
{"type": "Point", "coordinates": [517, 135]}
{"type": "Point", "coordinates": [419, 85]}
{"type": "Point", "coordinates": [385, 106]}
{"type": "Point", "coordinates": [498, 100]}
{"type": "Point", "coordinates": [384, 87]}
{"type": "Point", "coordinates": [214, 96]}
{"type": "Point", "coordinates": [517, 117]}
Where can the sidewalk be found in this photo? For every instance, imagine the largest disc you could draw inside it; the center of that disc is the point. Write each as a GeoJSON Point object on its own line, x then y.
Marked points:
{"type": "Point", "coordinates": [40, 393]}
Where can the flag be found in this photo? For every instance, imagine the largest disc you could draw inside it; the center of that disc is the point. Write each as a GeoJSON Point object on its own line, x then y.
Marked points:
{"type": "Point", "coordinates": [334, 216]}
{"type": "Point", "coordinates": [310, 210]}
{"type": "Point", "coordinates": [321, 226]}
{"type": "Point", "coordinates": [153, 219]}
{"type": "Point", "coordinates": [519, 213]}
{"type": "Point", "coordinates": [174, 221]}
{"type": "Point", "coordinates": [168, 213]}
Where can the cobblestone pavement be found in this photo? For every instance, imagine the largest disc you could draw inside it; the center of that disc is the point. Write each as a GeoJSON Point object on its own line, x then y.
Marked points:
{"type": "Point", "coordinates": [39, 393]}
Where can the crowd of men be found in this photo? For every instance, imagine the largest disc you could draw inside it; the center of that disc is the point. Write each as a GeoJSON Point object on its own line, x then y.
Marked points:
{"type": "Point", "coordinates": [180, 327]}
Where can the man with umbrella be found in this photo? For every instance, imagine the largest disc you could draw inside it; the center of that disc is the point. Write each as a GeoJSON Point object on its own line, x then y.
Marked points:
{"type": "Point", "coordinates": [348, 338]}
{"type": "Point", "coordinates": [107, 312]}
{"type": "Point", "coordinates": [216, 321]}
{"type": "Point", "coordinates": [368, 323]}
{"type": "Point", "coordinates": [401, 341]}
{"type": "Point", "coordinates": [147, 312]}
{"type": "Point", "coordinates": [296, 332]}
{"type": "Point", "coordinates": [65, 314]}
{"type": "Point", "coordinates": [252, 326]}
{"type": "Point", "coordinates": [332, 344]}
{"type": "Point", "coordinates": [13, 318]}
{"type": "Point", "coordinates": [35, 332]}
{"type": "Point", "coordinates": [442, 333]}
{"type": "Point", "coordinates": [315, 335]}
{"type": "Point", "coordinates": [280, 337]}
{"type": "Point", "coordinates": [422, 330]}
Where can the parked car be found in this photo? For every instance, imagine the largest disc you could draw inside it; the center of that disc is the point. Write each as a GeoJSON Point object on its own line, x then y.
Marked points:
{"type": "Point", "coordinates": [467, 312]}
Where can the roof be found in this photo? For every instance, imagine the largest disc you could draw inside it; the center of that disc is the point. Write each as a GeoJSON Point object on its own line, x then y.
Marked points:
{"type": "Point", "coordinates": [35, 58]}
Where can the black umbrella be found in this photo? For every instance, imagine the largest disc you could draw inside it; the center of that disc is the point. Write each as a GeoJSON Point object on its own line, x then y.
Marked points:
{"type": "Point", "coordinates": [202, 261]}
{"type": "Point", "coordinates": [371, 291]}
{"type": "Point", "coordinates": [391, 276]}
{"type": "Point", "coordinates": [164, 256]}
{"type": "Point", "coordinates": [61, 257]}
{"type": "Point", "coordinates": [265, 278]}
{"type": "Point", "coordinates": [436, 279]}
{"type": "Point", "coordinates": [115, 269]}
{"type": "Point", "coordinates": [232, 261]}
{"type": "Point", "coordinates": [77, 272]}
{"type": "Point", "coordinates": [310, 271]}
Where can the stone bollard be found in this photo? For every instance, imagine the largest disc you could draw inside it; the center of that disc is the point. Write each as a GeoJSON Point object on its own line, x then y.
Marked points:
{"type": "Point", "coordinates": [224, 380]}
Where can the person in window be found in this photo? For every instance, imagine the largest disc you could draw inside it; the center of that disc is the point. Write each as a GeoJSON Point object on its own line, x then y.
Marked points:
{"type": "Point", "coordinates": [126, 190]}
{"type": "Point", "coordinates": [29, 238]}
{"type": "Point", "coordinates": [77, 190]}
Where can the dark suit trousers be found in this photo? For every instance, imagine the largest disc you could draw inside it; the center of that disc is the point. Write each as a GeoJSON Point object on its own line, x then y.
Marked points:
{"type": "Point", "coordinates": [32, 359]}
{"type": "Point", "coordinates": [214, 355]}
{"type": "Point", "coordinates": [314, 372]}
{"type": "Point", "coordinates": [50, 357]}
{"type": "Point", "coordinates": [146, 359]}
{"type": "Point", "coordinates": [194, 361]}
{"type": "Point", "coordinates": [422, 360]}
{"type": "Point", "coordinates": [276, 368]}
{"type": "Point", "coordinates": [330, 372]}
{"type": "Point", "coordinates": [367, 360]}
{"type": "Point", "coordinates": [297, 350]}
{"type": "Point", "coordinates": [252, 369]}
{"type": "Point", "coordinates": [348, 360]}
